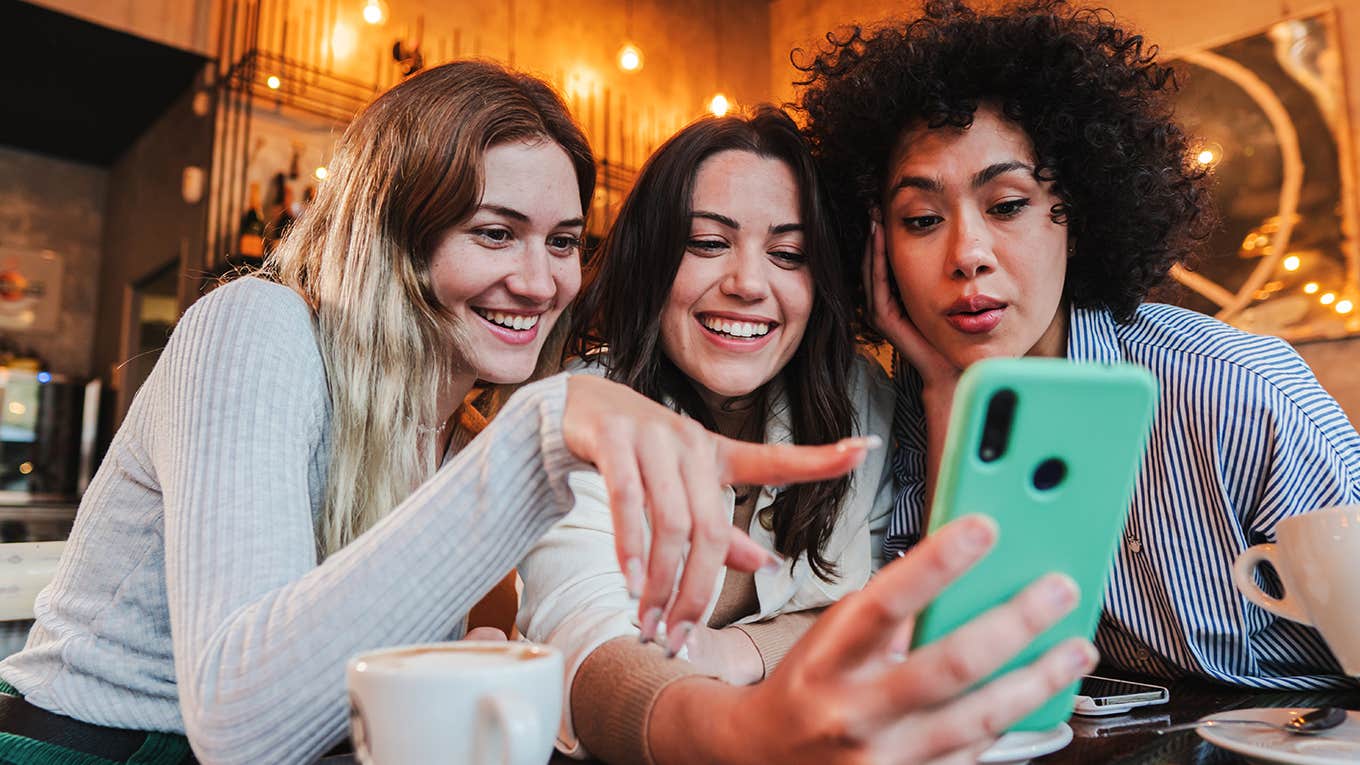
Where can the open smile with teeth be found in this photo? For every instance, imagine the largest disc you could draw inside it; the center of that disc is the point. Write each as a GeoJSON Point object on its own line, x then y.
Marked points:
{"type": "Point", "coordinates": [517, 321]}
{"type": "Point", "coordinates": [743, 329]}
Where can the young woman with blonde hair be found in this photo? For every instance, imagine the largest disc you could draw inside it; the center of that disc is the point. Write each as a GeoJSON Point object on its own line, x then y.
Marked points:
{"type": "Point", "coordinates": [275, 502]}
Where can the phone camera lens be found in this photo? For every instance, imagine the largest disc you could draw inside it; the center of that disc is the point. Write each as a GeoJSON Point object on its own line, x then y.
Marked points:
{"type": "Point", "coordinates": [1049, 474]}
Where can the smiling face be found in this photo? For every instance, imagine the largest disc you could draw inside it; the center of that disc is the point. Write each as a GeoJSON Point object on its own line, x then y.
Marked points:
{"type": "Point", "coordinates": [977, 256]}
{"type": "Point", "coordinates": [506, 273]}
{"type": "Point", "coordinates": [740, 301]}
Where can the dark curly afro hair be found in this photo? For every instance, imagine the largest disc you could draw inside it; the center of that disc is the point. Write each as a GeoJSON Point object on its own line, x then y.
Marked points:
{"type": "Point", "coordinates": [1089, 95]}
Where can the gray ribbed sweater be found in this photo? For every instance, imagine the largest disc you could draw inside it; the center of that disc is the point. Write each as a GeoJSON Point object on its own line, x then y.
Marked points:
{"type": "Point", "coordinates": [189, 598]}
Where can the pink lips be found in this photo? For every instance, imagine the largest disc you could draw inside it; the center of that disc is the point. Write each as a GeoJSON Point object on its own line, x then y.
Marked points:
{"type": "Point", "coordinates": [975, 314]}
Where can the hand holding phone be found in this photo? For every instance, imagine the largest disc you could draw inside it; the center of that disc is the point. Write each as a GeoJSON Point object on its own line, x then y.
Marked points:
{"type": "Point", "coordinates": [1050, 450]}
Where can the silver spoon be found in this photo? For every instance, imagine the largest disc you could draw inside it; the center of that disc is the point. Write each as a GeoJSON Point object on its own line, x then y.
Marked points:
{"type": "Point", "coordinates": [1323, 718]}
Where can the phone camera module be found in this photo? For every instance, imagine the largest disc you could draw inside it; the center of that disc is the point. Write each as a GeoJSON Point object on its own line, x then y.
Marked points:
{"type": "Point", "coordinates": [996, 427]}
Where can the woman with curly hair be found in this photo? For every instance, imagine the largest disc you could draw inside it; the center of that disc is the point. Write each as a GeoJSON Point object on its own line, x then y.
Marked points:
{"type": "Point", "coordinates": [1018, 186]}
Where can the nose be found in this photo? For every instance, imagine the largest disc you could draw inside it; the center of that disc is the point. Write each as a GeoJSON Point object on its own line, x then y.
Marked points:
{"type": "Point", "coordinates": [970, 248]}
{"type": "Point", "coordinates": [745, 277]}
{"type": "Point", "coordinates": [533, 280]}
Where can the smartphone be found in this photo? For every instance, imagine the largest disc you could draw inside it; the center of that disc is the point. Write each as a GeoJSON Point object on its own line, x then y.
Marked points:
{"type": "Point", "coordinates": [1049, 449]}
{"type": "Point", "coordinates": [1099, 696]}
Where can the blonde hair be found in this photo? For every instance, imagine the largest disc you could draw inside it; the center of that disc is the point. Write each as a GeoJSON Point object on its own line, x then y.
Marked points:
{"type": "Point", "coordinates": [407, 169]}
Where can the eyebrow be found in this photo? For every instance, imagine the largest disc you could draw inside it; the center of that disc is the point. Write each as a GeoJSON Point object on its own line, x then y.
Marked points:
{"type": "Point", "coordinates": [783, 228]}
{"type": "Point", "coordinates": [980, 179]}
{"type": "Point", "coordinates": [720, 218]}
{"type": "Point", "coordinates": [513, 214]}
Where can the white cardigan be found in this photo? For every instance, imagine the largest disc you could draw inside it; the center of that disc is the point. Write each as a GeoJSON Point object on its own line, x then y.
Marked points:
{"type": "Point", "coordinates": [574, 594]}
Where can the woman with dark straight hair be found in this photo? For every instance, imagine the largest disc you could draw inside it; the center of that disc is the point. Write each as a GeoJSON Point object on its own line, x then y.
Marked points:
{"type": "Point", "coordinates": [718, 292]}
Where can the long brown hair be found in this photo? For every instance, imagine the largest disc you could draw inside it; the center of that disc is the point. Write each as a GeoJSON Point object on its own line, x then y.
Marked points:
{"type": "Point", "coordinates": [630, 280]}
{"type": "Point", "coordinates": [406, 170]}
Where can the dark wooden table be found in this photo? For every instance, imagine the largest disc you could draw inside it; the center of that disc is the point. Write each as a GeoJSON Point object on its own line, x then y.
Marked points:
{"type": "Point", "coordinates": [1129, 739]}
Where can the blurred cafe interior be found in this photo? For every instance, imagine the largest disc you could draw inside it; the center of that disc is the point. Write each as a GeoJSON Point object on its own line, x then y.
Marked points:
{"type": "Point", "coordinates": [150, 148]}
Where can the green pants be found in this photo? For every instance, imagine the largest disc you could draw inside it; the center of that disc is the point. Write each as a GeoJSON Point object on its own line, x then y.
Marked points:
{"type": "Point", "coordinates": [159, 749]}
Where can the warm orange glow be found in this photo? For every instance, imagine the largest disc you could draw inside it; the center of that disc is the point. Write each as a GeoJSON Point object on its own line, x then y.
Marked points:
{"type": "Point", "coordinates": [1310, 288]}
{"type": "Point", "coordinates": [1292, 263]}
{"type": "Point", "coordinates": [375, 12]}
{"type": "Point", "coordinates": [273, 82]}
{"type": "Point", "coordinates": [321, 173]}
{"type": "Point", "coordinates": [1205, 157]}
{"type": "Point", "coordinates": [344, 40]}
{"type": "Point", "coordinates": [1344, 306]}
{"type": "Point", "coordinates": [1328, 298]}
{"type": "Point", "coordinates": [719, 105]}
{"type": "Point", "coordinates": [630, 57]}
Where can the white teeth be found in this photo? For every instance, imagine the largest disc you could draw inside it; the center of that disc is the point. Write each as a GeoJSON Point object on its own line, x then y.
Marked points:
{"type": "Point", "coordinates": [515, 321]}
{"type": "Point", "coordinates": [737, 328]}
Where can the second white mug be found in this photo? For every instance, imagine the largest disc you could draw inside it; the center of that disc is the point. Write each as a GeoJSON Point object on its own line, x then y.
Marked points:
{"type": "Point", "coordinates": [1317, 556]}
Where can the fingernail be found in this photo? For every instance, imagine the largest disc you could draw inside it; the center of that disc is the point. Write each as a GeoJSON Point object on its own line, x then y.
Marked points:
{"type": "Point", "coordinates": [677, 637]}
{"type": "Point", "coordinates": [977, 535]}
{"type": "Point", "coordinates": [773, 565]}
{"type": "Point", "coordinates": [1061, 591]}
{"type": "Point", "coordinates": [1080, 657]}
{"type": "Point", "coordinates": [867, 443]}
{"type": "Point", "coordinates": [649, 622]}
{"type": "Point", "coordinates": [633, 578]}
{"type": "Point", "coordinates": [897, 655]}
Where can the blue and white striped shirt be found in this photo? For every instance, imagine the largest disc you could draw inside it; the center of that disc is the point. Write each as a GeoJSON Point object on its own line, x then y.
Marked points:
{"type": "Point", "coordinates": [1244, 436]}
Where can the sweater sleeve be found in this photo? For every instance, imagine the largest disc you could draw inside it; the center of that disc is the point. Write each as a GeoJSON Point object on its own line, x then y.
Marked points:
{"type": "Point", "coordinates": [774, 638]}
{"type": "Point", "coordinates": [257, 624]}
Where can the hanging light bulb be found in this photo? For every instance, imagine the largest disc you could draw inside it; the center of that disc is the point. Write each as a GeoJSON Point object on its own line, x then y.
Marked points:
{"type": "Point", "coordinates": [630, 57]}
{"type": "Point", "coordinates": [273, 82]}
{"type": "Point", "coordinates": [719, 106]}
{"type": "Point", "coordinates": [375, 12]}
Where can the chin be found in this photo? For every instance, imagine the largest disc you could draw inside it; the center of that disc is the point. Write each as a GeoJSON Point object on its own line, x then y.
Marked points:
{"type": "Point", "coordinates": [506, 374]}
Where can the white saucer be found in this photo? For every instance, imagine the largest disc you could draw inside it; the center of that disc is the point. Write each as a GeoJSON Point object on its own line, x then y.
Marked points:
{"type": "Point", "coordinates": [1022, 746]}
{"type": "Point", "coordinates": [1338, 746]}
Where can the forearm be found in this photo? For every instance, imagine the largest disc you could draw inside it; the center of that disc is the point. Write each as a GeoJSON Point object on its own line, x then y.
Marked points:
{"type": "Point", "coordinates": [410, 578]}
{"type": "Point", "coordinates": [707, 705]}
{"type": "Point", "coordinates": [771, 640]}
{"type": "Point", "coordinates": [613, 697]}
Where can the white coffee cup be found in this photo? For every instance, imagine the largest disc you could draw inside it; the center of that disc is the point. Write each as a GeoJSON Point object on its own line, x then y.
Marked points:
{"type": "Point", "coordinates": [474, 702]}
{"type": "Point", "coordinates": [1317, 556]}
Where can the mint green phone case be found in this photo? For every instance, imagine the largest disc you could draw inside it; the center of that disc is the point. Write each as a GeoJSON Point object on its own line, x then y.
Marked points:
{"type": "Point", "coordinates": [1094, 418]}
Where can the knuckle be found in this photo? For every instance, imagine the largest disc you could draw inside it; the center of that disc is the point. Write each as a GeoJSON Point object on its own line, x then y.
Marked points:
{"type": "Point", "coordinates": [834, 726]}
{"type": "Point", "coordinates": [958, 665]}
{"type": "Point", "coordinates": [673, 523]}
{"type": "Point", "coordinates": [711, 533]}
{"type": "Point", "coordinates": [689, 603]}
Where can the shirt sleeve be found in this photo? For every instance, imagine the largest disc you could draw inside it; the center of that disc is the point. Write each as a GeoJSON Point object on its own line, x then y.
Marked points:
{"type": "Point", "coordinates": [257, 623]}
{"type": "Point", "coordinates": [906, 525]}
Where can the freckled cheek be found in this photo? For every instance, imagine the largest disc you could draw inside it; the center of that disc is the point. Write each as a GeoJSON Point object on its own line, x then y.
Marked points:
{"type": "Point", "coordinates": [568, 279]}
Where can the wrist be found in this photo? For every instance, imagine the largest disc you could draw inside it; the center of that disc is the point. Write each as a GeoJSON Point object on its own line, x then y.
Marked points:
{"type": "Point", "coordinates": [743, 663]}
{"type": "Point", "coordinates": [701, 703]}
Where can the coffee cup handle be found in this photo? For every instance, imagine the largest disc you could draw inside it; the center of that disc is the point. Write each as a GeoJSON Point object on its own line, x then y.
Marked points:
{"type": "Point", "coordinates": [508, 727]}
{"type": "Point", "coordinates": [1244, 576]}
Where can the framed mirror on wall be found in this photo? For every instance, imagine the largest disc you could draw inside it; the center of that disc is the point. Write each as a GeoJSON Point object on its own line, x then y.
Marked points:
{"type": "Point", "coordinates": [1270, 117]}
